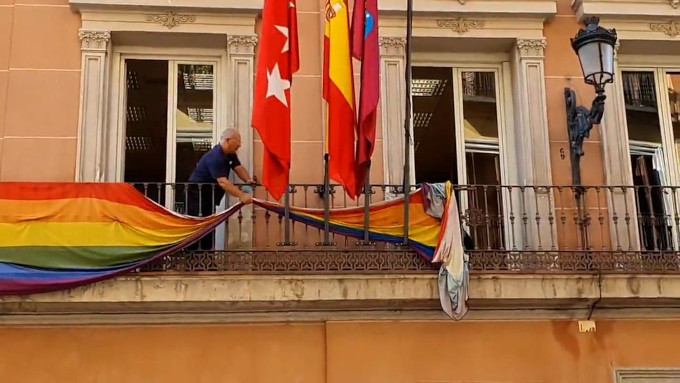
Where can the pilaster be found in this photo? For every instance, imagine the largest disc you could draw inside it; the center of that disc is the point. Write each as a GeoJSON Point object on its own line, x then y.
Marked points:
{"type": "Point", "coordinates": [94, 52]}
{"type": "Point", "coordinates": [533, 150]}
{"type": "Point", "coordinates": [618, 171]}
{"type": "Point", "coordinates": [393, 97]}
{"type": "Point", "coordinates": [241, 76]}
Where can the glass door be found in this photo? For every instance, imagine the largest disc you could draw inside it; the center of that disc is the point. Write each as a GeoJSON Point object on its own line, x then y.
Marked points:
{"type": "Point", "coordinates": [456, 137]}
{"type": "Point", "coordinates": [651, 106]}
{"type": "Point", "coordinates": [479, 161]}
{"type": "Point", "coordinates": [169, 125]}
{"type": "Point", "coordinates": [192, 125]}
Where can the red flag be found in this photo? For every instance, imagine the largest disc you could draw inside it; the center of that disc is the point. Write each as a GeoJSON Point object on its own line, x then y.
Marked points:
{"type": "Point", "coordinates": [365, 48]}
{"type": "Point", "coordinates": [278, 59]}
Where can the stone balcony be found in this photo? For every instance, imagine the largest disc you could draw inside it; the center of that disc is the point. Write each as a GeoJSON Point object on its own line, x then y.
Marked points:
{"type": "Point", "coordinates": [619, 261]}
{"type": "Point", "coordinates": [215, 297]}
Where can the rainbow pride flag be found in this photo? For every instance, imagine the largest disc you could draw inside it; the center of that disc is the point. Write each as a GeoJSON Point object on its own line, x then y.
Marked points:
{"type": "Point", "coordinates": [386, 222]}
{"type": "Point", "coordinates": [56, 236]}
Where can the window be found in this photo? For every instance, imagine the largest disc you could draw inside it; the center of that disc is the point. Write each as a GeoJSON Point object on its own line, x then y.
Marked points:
{"type": "Point", "coordinates": [648, 376]}
{"type": "Point", "coordinates": [652, 109]}
{"type": "Point", "coordinates": [169, 124]}
{"type": "Point", "coordinates": [456, 138]}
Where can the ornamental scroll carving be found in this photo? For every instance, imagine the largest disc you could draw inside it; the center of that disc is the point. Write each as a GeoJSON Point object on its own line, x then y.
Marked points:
{"type": "Point", "coordinates": [170, 19]}
{"type": "Point", "coordinates": [242, 44]}
{"type": "Point", "coordinates": [392, 46]}
{"type": "Point", "coordinates": [670, 28]}
{"type": "Point", "coordinates": [531, 47]}
{"type": "Point", "coordinates": [460, 25]}
{"type": "Point", "coordinates": [94, 40]}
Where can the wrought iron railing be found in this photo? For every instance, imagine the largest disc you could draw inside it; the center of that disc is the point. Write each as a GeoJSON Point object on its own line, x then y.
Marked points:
{"type": "Point", "coordinates": [507, 228]}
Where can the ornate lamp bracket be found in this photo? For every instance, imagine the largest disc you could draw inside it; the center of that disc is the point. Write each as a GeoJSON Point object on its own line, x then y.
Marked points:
{"type": "Point", "coordinates": [580, 121]}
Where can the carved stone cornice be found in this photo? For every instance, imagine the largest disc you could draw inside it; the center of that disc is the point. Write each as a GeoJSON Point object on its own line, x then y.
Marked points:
{"type": "Point", "coordinates": [392, 46]}
{"type": "Point", "coordinates": [242, 44]}
{"type": "Point", "coordinates": [460, 25]}
{"type": "Point", "coordinates": [531, 47]}
{"type": "Point", "coordinates": [170, 19]}
{"type": "Point", "coordinates": [94, 40]}
{"type": "Point", "coordinates": [670, 28]}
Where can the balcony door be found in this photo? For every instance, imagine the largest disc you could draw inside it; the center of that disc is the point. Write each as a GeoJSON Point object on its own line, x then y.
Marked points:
{"type": "Point", "coordinates": [169, 124]}
{"type": "Point", "coordinates": [456, 138]}
{"type": "Point", "coordinates": [652, 106]}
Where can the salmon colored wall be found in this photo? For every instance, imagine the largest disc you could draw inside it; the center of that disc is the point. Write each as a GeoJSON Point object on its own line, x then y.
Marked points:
{"type": "Point", "coordinates": [39, 90]}
{"type": "Point", "coordinates": [338, 352]}
{"type": "Point", "coordinates": [562, 69]}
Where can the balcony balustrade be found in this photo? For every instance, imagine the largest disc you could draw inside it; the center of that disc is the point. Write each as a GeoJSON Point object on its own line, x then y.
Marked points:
{"type": "Point", "coordinates": [506, 230]}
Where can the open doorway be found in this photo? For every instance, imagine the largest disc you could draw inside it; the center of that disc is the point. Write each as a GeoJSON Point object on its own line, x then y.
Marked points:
{"type": "Point", "coordinates": [650, 175]}
{"type": "Point", "coordinates": [146, 132]}
{"type": "Point", "coordinates": [169, 125]}
{"type": "Point", "coordinates": [456, 138]}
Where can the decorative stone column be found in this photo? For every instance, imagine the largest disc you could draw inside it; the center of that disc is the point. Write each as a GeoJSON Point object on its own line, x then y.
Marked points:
{"type": "Point", "coordinates": [94, 48]}
{"type": "Point", "coordinates": [615, 146]}
{"type": "Point", "coordinates": [533, 150]}
{"type": "Point", "coordinates": [393, 98]}
{"type": "Point", "coordinates": [241, 77]}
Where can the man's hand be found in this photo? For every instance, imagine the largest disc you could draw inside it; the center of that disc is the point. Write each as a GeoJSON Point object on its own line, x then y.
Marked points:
{"type": "Point", "coordinates": [246, 199]}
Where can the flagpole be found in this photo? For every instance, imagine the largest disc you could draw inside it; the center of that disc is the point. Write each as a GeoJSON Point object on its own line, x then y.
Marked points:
{"type": "Point", "coordinates": [407, 121]}
{"type": "Point", "coordinates": [326, 202]}
{"type": "Point", "coordinates": [367, 189]}
{"type": "Point", "coordinates": [326, 157]}
{"type": "Point", "coordinates": [367, 205]}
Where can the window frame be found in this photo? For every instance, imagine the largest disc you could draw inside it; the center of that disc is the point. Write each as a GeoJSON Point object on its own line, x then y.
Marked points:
{"type": "Point", "coordinates": [669, 155]}
{"type": "Point", "coordinates": [624, 375]}
{"type": "Point", "coordinates": [500, 66]}
{"type": "Point", "coordinates": [117, 102]}
{"type": "Point", "coordinates": [503, 106]}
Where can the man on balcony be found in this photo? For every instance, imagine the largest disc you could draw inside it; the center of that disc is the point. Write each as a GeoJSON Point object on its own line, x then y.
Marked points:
{"type": "Point", "coordinates": [210, 180]}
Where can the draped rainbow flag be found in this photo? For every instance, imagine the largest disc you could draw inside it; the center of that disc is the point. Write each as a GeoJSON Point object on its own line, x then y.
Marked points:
{"type": "Point", "coordinates": [56, 236]}
{"type": "Point", "coordinates": [387, 222]}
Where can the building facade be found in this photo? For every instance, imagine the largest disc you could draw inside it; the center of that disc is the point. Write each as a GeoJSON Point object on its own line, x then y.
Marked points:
{"type": "Point", "coordinates": [136, 90]}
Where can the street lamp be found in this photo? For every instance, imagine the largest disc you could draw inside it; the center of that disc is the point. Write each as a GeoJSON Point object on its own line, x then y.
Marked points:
{"type": "Point", "coordinates": [594, 46]}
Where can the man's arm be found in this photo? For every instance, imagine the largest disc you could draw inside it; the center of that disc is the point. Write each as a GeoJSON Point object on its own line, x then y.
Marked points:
{"type": "Point", "coordinates": [242, 173]}
{"type": "Point", "coordinates": [234, 191]}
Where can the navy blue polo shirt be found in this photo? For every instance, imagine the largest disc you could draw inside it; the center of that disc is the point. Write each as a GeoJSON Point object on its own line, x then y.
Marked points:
{"type": "Point", "coordinates": [213, 165]}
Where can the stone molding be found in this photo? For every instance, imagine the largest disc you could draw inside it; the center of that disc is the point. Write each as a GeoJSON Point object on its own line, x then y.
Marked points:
{"type": "Point", "coordinates": [392, 46]}
{"type": "Point", "coordinates": [170, 19]}
{"type": "Point", "coordinates": [670, 28]}
{"type": "Point", "coordinates": [94, 40]}
{"type": "Point", "coordinates": [626, 10]}
{"type": "Point", "coordinates": [460, 25]}
{"type": "Point", "coordinates": [531, 47]}
{"type": "Point", "coordinates": [242, 44]}
{"type": "Point", "coordinates": [258, 298]}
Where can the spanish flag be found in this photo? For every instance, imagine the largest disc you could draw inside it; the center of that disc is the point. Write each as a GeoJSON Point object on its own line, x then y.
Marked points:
{"type": "Point", "coordinates": [339, 95]}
